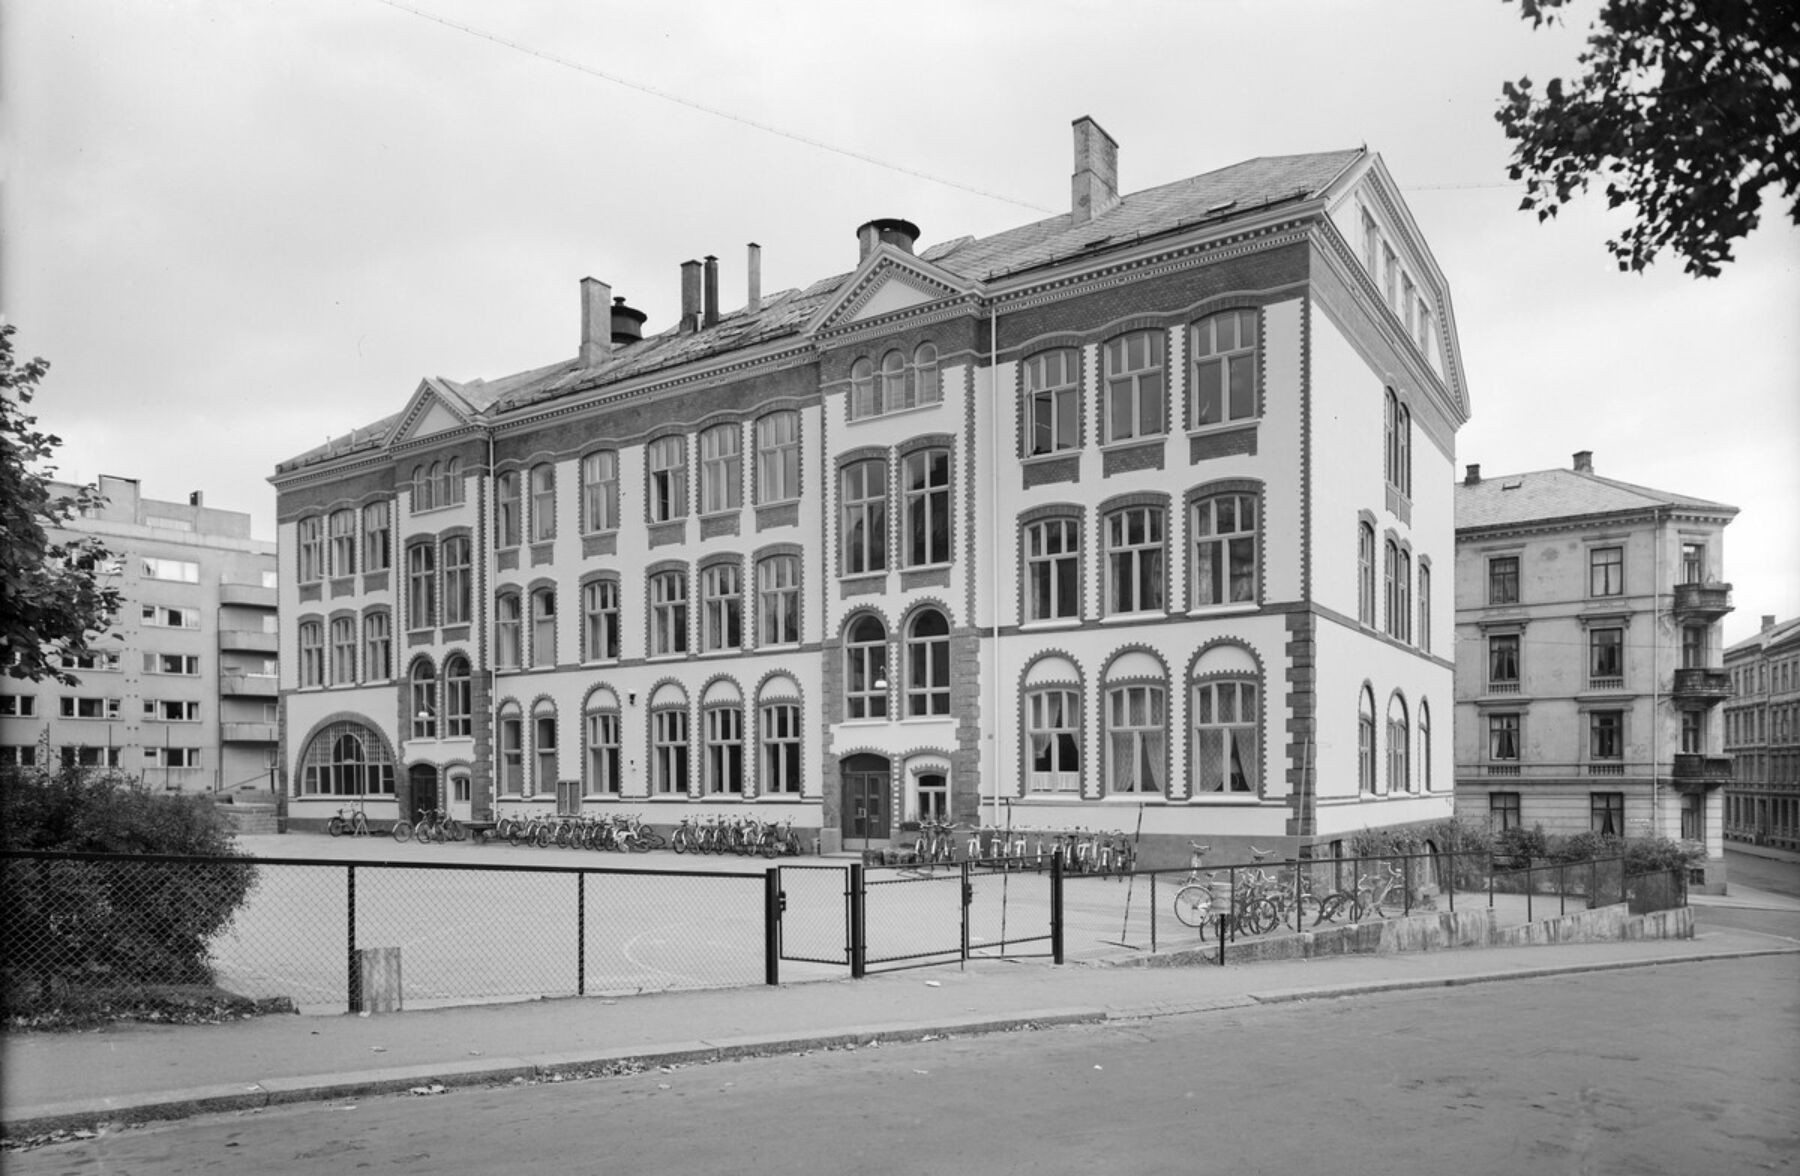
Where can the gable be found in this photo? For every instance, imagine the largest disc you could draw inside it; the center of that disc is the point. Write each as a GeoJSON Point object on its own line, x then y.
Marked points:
{"type": "Point", "coordinates": [897, 292]}
{"type": "Point", "coordinates": [437, 419]}
{"type": "Point", "coordinates": [889, 282]}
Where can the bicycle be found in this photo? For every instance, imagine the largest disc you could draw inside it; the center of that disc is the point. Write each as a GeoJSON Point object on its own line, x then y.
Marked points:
{"type": "Point", "coordinates": [1378, 888]}
{"type": "Point", "coordinates": [356, 824]}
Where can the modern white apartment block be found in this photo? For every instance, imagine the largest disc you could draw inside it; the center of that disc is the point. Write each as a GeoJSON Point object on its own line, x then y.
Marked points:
{"type": "Point", "coordinates": [1124, 519]}
{"type": "Point", "coordinates": [181, 692]}
{"type": "Point", "coordinates": [1762, 735]}
{"type": "Point", "coordinates": [1588, 669]}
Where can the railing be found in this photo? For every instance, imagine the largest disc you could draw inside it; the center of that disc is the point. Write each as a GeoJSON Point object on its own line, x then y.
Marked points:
{"type": "Point", "coordinates": [248, 640]}
{"type": "Point", "coordinates": [250, 685]}
{"type": "Point", "coordinates": [247, 732]}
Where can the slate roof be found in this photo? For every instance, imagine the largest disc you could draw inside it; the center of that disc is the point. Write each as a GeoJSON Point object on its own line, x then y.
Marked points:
{"type": "Point", "coordinates": [1216, 196]}
{"type": "Point", "coordinates": [1561, 494]}
{"type": "Point", "coordinates": [1781, 634]}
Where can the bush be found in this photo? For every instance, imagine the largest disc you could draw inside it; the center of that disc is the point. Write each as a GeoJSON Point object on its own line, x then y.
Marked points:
{"type": "Point", "coordinates": [79, 927]}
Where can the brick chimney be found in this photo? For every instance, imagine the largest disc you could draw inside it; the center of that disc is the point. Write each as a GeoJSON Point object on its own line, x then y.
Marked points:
{"type": "Point", "coordinates": [1473, 477]}
{"type": "Point", "coordinates": [596, 320]}
{"type": "Point", "coordinates": [753, 299]}
{"type": "Point", "coordinates": [691, 297]}
{"type": "Point", "coordinates": [1094, 187]}
{"type": "Point", "coordinates": [710, 314]}
{"type": "Point", "coordinates": [1768, 622]}
{"type": "Point", "coordinates": [1584, 461]}
{"type": "Point", "coordinates": [901, 234]}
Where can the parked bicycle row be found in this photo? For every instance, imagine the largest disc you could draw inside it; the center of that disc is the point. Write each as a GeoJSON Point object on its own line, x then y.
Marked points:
{"type": "Point", "coordinates": [743, 835]}
{"type": "Point", "coordinates": [1081, 851]}
{"type": "Point", "coordinates": [432, 825]}
{"type": "Point", "coordinates": [617, 832]}
{"type": "Point", "coordinates": [1252, 900]}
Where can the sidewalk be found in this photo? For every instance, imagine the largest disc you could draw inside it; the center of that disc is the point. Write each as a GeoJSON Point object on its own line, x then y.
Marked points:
{"type": "Point", "coordinates": [141, 1072]}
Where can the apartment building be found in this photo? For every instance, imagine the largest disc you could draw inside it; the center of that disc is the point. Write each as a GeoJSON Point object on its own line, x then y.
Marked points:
{"type": "Point", "coordinates": [181, 692]}
{"type": "Point", "coordinates": [1762, 734]}
{"type": "Point", "coordinates": [1123, 519]}
{"type": "Point", "coordinates": [1589, 664]}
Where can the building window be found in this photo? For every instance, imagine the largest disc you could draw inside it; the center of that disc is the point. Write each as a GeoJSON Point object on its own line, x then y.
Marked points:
{"type": "Point", "coordinates": [928, 665]}
{"type": "Point", "coordinates": [600, 492]}
{"type": "Point", "coordinates": [781, 748]}
{"type": "Point", "coordinates": [508, 654]}
{"type": "Point", "coordinates": [343, 651]}
{"type": "Point", "coordinates": [1053, 741]}
{"type": "Point", "coordinates": [450, 482]}
{"type": "Point", "coordinates": [423, 681]}
{"type": "Point", "coordinates": [1399, 444]}
{"type": "Point", "coordinates": [1224, 356]}
{"type": "Point", "coordinates": [1424, 746]}
{"type": "Point", "coordinates": [90, 708]}
{"type": "Point", "coordinates": [543, 747]}
{"type": "Point", "coordinates": [378, 552]}
{"type": "Point", "coordinates": [1693, 732]}
{"type": "Point", "coordinates": [543, 627]}
{"type": "Point", "coordinates": [1224, 528]}
{"type": "Point", "coordinates": [721, 469]}
{"type": "Point", "coordinates": [721, 607]}
{"type": "Point", "coordinates": [1606, 571]}
{"type": "Point", "coordinates": [926, 387]}
{"type": "Point", "coordinates": [1606, 743]}
{"type": "Point", "coordinates": [1371, 242]}
{"type": "Point", "coordinates": [378, 648]}
{"type": "Point", "coordinates": [1606, 813]}
{"type": "Point", "coordinates": [343, 542]}
{"type": "Point", "coordinates": [1503, 579]}
{"type": "Point", "coordinates": [512, 751]}
{"type": "Point", "coordinates": [1606, 659]}
{"type": "Point", "coordinates": [1503, 663]}
{"type": "Point", "coordinates": [457, 581]}
{"type": "Point", "coordinates": [724, 750]}
{"type": "Point", "coordinates": [865, 517]}
{"type": "Point", "coordinates": [186, 571]}
{"type": "Point", "coordinates": [778, 457]}
{"type": "Point", "coordinates": [1365, 742]}
{"type": "Point", "coordinates": [1134, 560]}
{"type": "Point", "coordinates": [1693, 563]}
{"type": "Point", "coordinates": [1226, 719]}
{"type": "Point", "coordinates": [18, 706]}
{"type": "Point", "coordinates": [865, 669]}
{"type": "Point", "coordinates": [1136, 734]}
{"type": "Point", "coordinates": [603, 777]}
{"type": "Point", "coordinates": [311, 549]}
{"type": "Point", "coordinates": [424, 488]}
{"type": "Point", "coordinates": [312, 653]}
{"type": "Point", "coordinates": [459, 707]}
{"type": "Point", "coordinates": [778, 589]}
{"type": "Point", "coordinates": [1424, 606]}
{"type": "Point", "coordinates": [1053, 400]}
{"type": "Point", "coordinates": [1053, 569]}
{"type": "Point", "coordinates": [1390, 273]}
{"type": "Point", "coordinates": [346, 759]}
{"type": "Point", "coordinates": [668, 479]}
{"type": "Point", "coordinates": [506, 509]}
{"type": "Point", "coordinates": [668, 613]}
{"type": "Point", "coordinates": [600, 620]}
{"type": "Point", "coordinates": [862, 389]}
{"type": "Point", "coordinates": [669, 751]}
{"type": "Point", "coordinates": [543, 503]}
{"type": "Point", "coordinates": [1693, 812]}
{"type": "Point", "coordinates": [1503, 811]}
{"type": "Point", "coordinates": [891, 383]}
{"type": "Point", "coordinates": [926, 483]}
{"type": "Point", "coordinates": [1693, 647]}
{"type": "Point", "coordinates": [1365, 574]}
{"type": "Point", "coordinates": [1134, 404]}
{"type": "Point", "coordinates": [1399, 777]}
{"type": "Point", "coordinates": [421, 585]}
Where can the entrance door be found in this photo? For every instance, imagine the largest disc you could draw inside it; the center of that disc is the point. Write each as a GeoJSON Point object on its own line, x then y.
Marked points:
{"type": "Point", "coordinates": [421, 791]}
{"type": "Point", "coordinates": [461, 804]}
{"type": "Point", "coordinates": [867, 784]}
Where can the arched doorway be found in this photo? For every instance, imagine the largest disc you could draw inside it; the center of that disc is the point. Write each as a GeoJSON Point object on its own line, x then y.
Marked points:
{"type": "Point", "coordinates": [421, 791]}
{"type": "Point", "coordinates": [866, 810]}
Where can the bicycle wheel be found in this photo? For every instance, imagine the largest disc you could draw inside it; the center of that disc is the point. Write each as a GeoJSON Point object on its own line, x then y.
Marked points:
{"type": "Point", "coordinates": [456, 830]}
{"type": "Point", "coordinates": [335, 826]}
{"type": "Point", "coordinates": [1193, 904]}
{"type": "Point", "coordinates": [1262, 916]}
{"type": "Point", "coordinates": [403, 831]}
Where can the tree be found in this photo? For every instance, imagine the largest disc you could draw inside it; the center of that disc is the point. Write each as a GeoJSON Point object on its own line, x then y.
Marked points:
{"type": "Point", "coordinates": [53, 601]}
{"type": "Point", "coordinates": [1686, 111]}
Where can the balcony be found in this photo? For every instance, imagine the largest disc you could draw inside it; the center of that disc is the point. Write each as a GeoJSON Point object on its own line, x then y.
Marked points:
{"type": "Point", "coordinates": [249, 685]}
{"type": "Point", "coordinates": [1694, 770]}
{"type": "Point", "coordinates": [252, 595]}
{"type": "Point", "coordinates": [1702, 601]}
{"type": "Point", "coordinates": [248, 641]}
{"type": "Point", "coordinates": [1702, 685]}
{"type": "Point", "coordinates": [247, 732]}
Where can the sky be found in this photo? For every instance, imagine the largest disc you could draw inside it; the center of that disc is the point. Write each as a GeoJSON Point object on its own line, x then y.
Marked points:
{"type": "Point", "coordinates": [236, 228]}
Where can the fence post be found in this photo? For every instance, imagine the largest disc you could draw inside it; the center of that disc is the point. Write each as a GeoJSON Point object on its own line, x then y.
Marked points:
{"type": "Point", "coordinates": [1593, 884]}
{"type": "Point", "coordinates": [1490, 874]}
{"type": "Point", "coordinates": [1455, 868]}
{"type": "Point", "coordinates": [355, 965]}
{"type": "Point", "coordinates": [1562, 889]}
{"type": "Point", "coordinates": [581, 933]}
{"type": "Point", "coordinates": [1056, 912]}
{"type": "Point", "coordinates": [1153, 878]}
{"type": "Point", "coordinates": [858, 949]}
{"type": "Point", "coordinates": [968, 896]}
{"type": "Point", "coordinates": [772, 905]}
{"type": "Point", "coordinates": [1406, 886]}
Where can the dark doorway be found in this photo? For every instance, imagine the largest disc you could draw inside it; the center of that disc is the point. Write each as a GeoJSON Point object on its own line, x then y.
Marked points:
{"type": "Point", "coordinates": [868, 783]}
{"type": "Point", "coordinates": [421, 791]}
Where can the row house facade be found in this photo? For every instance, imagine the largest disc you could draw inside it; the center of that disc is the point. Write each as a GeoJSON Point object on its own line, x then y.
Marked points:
{"type": "Point", "coordinates": [180, 693]}
{"type": "Point", "coordinates": [1125, 519]}
{"type": "Point", "coordinates": [1762, 735]}
{"type": "Point", "coordinates": [1589, 661]}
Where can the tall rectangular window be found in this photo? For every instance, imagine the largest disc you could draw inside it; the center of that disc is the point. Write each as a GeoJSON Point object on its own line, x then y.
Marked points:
{"type": "Point", "coordinates": [1503, 579]}
{"type": "Point", "coordinates": [421, 586]}
{"type": "Point", "coordinates": [724, 751]}
{"type": "Point", "coordinates": [781, 748]}
{"type": "Point", "coordinates": [721, 469]}
{"type": "Point", "coordinates": [1606, 742]}
{"type": "Point", "coordinates": [312, 653]}
{"type": "Point", "coordinates": [668, 613]}
{"type": "Point", "coordinates": [1053, 741]}
{"type": "Point", "coordinates": [1503, 740]}
{"type": "Point", "coordinates": [343, 650]}
{"type": "Point", "coordinates": [1224, 358]}
{"type": "Point", "coordinates": [1134, 386]}
{"type": "Point", "coordinates": [927, 491]}
{"type": "Point", "coordinates": [311, 549]}
{"type": "Point", "coordinates": [506, 509]}
{"type": "Point", "coordinates": [512, 754]}
{"type": "Point", "coordinates": [1053, 401]}
{"type": "Point", "coordinates": [1503, 811]}
{"type": "Point", "coordinates": [669, 752]}
{"type": "Point", "coordinates": [1606, 813]}
{"type": "Point", "coordinates": [1503, 663]}
{"type": "Point", "coordinates": [457, 581]}
{"type": "Point", "coordinates": [778, 592]}
{"type": "Point", "coordinates": [1053, 569]}
{"type": "Point", "coordinates": [1693, 563]}
{"type": "Point", "coordinates": [543, 503]}
{"type": "Point", "coordinates": [603, 753]}
{"type": "Point", "coordinates": [667, 457]}
{"type": "Point", "coordinates": [865, 517]}
{"type": "Point", "coordinates": [722, 607]}
{"type": "Point", "coordinates": [1606, 571]}
{"type": "Point", "coordinates": [508, 631]}
{"type": "Point", "coordinates": [1693, 732]}
{"type": "Point", "coordinates": [1693, 647]}
{"type": "Point", "coordinates": [778, 457]}
{"type": "Point", "coordinates": [1606, 658]}
{"type": "Point", "coordinates": [600, 619]}
{"type": "Point", "coordinates": [1424, 606]}
{"type": "Point", "coordinates": [343, 542]}
{"type": "Point", "coordinates": [1226, 748]}
{"type": "Point", "coordinates": [543, 627]}
{"type": "Point", "coordinates": [377, 538]}
{"type": "Point", "coordinates": [378, 648]}
{"type": "Point", "coordinates": [1224, 529]}
{"type": "Point", "coordinates": [543, 746]}
{"type": "Point", "coordinates": [1136, 732]}
{"type": "Point", "coordinates": [1134, 560]}
{"type": "Point", "coordinates": [600, 492]}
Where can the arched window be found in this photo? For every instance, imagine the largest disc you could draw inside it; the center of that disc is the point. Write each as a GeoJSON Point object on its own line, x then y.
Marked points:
{"type": "Point", "coordinates": [543, 746]}
{"type": "Point", "coordinates": [668, 612]}
{"type": "Point", "coordinates": [449, 482]}
{"type": "Point", "coordinates": [862, 389]}
{"type": "Point", "coordinates": [721, 468]}
{"type": "Point", "coordinates": [543, 503]}
{"type": "Point", "coordinates": [1399, 746]}
{"type": "Point", "coordinates": [543, 627]}
{"type": "Point", "coordinates": [1391, 565]}
{"type": "Point", "coordinates": [1424, 774]}
{"type": "Point", "coordinates": [926, 487]}
{"type": "Point", "coordinates": [892, 392]}
{"type": "Point", "coordinates": [423, 679]}
{"type": "Point", "coordinates": [421, 585]}
{"type": "Point", "coordinates": [1052, 726]}
{"type": "Point", "coordinates": [778, 600]}
{"type": "Point", "coordinates": [865, 669]}
{"type": "Point", "coordinates": [1137, 738]}
{"type": "Point", "coordinates": [600, 619]}
{"type": "Point", "coordinates": [1365, 574]}
{"type": "Point", "coordinates": [721, 606]}
{"type": "Point", "coordinates": [346, 759]}
{"type": "Point", "coordinates": [507, 635]}
{"type": "Point", "coordinates": [312, 653]}
{"type": "Point", "coordinates": [506, 509]}
{"type": "Point", "coordinates": [459, 709]}
{"type": "Point", "coordinates": [778, 457]}
{"type": "Point", "coordinates": [722, 715]}
{"type": "Point", "coordinates": [343, 542]}
{"type": "Point", "coordinates": [666, 458]}
{"type": "Point", "coordinates": [1224, 358]}
{"type": "Point", "coordinates": [1135, 580]}
{"type": "Point", "coordinates": [425, 487]}
{"type": "Point", "coordinates": [928, 664]}
{"type": "Point", "coordinates": [600, 492]}
{"type": "Point", "coordinates": [601, 719]}
{"type": "Point", "coordinates": [457, 580]}
{"type": "Point", "coordinates": [343, 651]}
{"type": "Point", "coordinates": [926, 389]}
{"type": "Point", "coordinates": [669, 742]}
{"type": "Point", "coordinates": [864, 504]}
{"type": "Point", "coordinates": [1053, 568]}
{"type": "Point", "coordinates": [778, 716]}
{"type": "Point", "coordinates": [512, 750]}
{"type": "Point", "coordinates": [1365, 741]}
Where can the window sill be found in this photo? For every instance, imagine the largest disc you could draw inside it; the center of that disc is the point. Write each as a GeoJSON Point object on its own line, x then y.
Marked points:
{"type": "Point", "coordinates": [1051, 625]}
{"type": "Point", "coordinates": [1051, 455]}
{"type": "Point", "coordinates": [1129, 443]}
{"type": "Point", "coordinates": [1223, 427]}
{"type": "Point", "coordinates": [1235, 608]}
{"type": "Point", "coordinates": [667, 657]}
{"type": "Point", "coordinates": [1130, 617]}
{"type": "Point", "coordinates": [891, 413]}
{"type": "Point", "coordinates": [1215, 799]}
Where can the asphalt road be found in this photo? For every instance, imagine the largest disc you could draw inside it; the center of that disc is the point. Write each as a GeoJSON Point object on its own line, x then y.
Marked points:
{"type": "Point", "coordinates": [1775, 876]}
{"type": "Point", "coordinates": [1686, 1068]}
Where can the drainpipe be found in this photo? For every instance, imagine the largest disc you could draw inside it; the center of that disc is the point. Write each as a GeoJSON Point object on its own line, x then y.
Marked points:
{"type": "Point", "coordinates": [490, 561]}
{"type": "Point", "coordinates": [995, 532]}
{"type": "Point", "coordinates": [1656, 821]}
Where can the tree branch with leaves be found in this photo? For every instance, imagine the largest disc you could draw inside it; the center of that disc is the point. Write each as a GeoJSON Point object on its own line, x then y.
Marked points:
{"type": "Point", "coordinates": [1685, 112]}
{"type": "Point", "coordinates": [54, 598]}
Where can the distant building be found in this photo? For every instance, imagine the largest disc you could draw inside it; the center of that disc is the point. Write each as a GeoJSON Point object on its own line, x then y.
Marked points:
{"type": "Point", "coordinates": [181, 692]}
{"type": "Point", "coordinates": [1123, 519]}
{"type": "Point", "coordinates": [1762, 733]}
{"type": "Point", "coordinates": [1588, 672]}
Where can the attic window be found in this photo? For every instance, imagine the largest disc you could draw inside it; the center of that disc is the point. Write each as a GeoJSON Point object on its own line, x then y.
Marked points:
{"type": "Point", "coordinates": [1512, 485]}
{"type": "Point", "coordinates": [1221, 207]}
